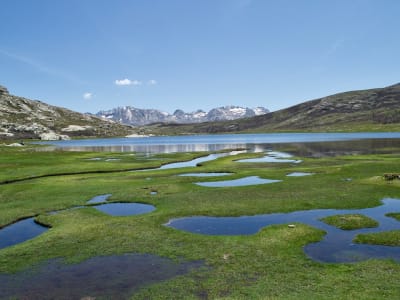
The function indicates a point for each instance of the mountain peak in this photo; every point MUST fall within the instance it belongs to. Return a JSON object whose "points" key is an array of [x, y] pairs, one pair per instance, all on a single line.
{"points": [[136, 116]]}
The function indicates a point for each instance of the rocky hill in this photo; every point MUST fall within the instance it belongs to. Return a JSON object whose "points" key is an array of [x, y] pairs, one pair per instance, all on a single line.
{"points": [[364, 110], [23, 118], [136, 116]]}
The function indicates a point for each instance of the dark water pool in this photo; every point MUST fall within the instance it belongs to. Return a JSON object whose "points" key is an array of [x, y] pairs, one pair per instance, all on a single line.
{"points": [[336, 246], [124, 209], [107, 277], [20, 231]]}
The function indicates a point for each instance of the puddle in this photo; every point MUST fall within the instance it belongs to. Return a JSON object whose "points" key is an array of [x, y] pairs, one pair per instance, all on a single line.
{"points": [[20, 231], [299, 174], [193, 162], [124, 209], [336, 246], [107, 277], [113, 159], [153, 193], [272, 157], [251, 180], [99, 199], [205, 174]]}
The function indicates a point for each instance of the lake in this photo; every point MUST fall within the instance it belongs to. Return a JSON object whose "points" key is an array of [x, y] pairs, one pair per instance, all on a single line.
{"points": [[195, 143]]}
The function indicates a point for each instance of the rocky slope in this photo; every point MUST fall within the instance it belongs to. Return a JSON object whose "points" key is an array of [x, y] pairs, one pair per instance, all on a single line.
{"points": [[23, 118], [373, 109], [136, 116]]}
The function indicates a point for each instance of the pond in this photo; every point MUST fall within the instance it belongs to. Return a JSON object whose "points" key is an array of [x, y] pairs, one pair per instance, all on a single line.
{"points": [[250, 180], [272, 157], [124, 209], [299, 174], [106, 277], [99, 199], [337, 245], [205, 174], [20, 231]]}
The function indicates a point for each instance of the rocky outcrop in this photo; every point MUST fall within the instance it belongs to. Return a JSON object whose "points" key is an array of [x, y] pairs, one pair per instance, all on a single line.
{"points": [[22, 118], [3, 90], [135, 116]]}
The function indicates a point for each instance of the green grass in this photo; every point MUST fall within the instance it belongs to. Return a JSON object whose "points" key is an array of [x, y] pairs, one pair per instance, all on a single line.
{"points": [[387, 238], [268, 265], [350, 221], [394, 215]]}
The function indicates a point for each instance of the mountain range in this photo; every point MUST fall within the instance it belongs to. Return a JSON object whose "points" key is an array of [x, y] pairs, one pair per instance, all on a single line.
{"points": [[138, 117], [364, 110]]}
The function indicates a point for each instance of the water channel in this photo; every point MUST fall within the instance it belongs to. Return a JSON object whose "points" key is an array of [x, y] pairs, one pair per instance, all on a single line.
{"points": [[337, 245]]}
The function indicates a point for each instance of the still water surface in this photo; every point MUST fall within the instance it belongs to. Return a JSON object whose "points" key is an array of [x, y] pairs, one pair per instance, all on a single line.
{"points": [[337, 245], [192, 143]]}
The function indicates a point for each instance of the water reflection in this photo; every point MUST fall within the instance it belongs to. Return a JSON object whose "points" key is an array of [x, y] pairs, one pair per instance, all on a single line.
{"points": [[250, 180], [212, 143], [205, 174], [272, 157], [192, 163], [337, 245], [20, 231], [299, 174], [99, 199], [124, 209], [107, 277]]}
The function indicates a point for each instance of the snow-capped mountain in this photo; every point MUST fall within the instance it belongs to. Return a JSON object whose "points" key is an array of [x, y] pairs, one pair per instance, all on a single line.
{"points": [[136, 116]]}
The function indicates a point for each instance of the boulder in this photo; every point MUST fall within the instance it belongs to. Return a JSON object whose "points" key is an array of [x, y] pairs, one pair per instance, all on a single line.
{"points": [[52, 136], [3, 90]]}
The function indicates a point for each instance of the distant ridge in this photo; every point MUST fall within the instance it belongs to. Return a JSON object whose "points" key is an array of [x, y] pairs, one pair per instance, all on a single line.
{"points": [[363, 110], [136, 116]]}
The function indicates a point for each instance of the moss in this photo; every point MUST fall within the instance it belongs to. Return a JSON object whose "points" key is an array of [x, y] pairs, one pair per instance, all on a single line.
{"points": [[350, 221]]}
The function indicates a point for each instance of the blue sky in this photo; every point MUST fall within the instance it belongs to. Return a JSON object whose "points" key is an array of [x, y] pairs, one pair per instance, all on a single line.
{"points": [[89, 55]]}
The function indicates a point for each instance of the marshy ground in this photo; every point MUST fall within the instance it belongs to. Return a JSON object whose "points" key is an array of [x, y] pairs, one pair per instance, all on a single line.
{"points": [[268, 264]]}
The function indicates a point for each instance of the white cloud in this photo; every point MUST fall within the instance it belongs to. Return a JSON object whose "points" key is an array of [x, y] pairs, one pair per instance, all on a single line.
{"points": [[152, 82], [87, 96], [127, 81]]}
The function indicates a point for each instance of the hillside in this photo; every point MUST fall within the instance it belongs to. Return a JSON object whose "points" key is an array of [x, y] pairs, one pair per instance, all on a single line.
{"points": [[137, 116], [23, 118], [364, 110]]}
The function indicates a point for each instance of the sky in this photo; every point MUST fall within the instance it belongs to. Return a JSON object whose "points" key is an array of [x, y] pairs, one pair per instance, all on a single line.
{"points": [[91, 55]]}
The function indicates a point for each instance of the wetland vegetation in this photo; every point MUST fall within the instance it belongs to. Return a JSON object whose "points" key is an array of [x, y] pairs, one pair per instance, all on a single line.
{"points": [[271, 263]]}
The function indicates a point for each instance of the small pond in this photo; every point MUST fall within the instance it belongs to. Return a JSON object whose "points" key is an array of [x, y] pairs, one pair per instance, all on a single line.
{"points": [[19, 232], [124, 209], [336, 246], [299, 174], [205, 174], [272, 157], [107, 277], [193, 162], [250, 180], [99, 199]]}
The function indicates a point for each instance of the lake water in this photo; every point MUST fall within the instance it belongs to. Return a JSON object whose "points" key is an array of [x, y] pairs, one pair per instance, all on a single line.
{"points": [[193, 143]]}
